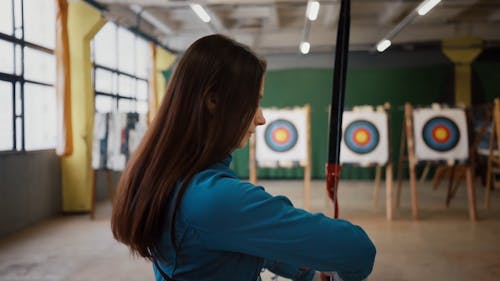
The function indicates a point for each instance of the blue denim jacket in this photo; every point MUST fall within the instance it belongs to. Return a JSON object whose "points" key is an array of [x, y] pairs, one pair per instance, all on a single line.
{"points": [[229, 229]]}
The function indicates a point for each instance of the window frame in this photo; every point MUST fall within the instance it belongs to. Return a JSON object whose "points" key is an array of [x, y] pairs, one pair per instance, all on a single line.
{"points": [[18, 77], [115, 71]]}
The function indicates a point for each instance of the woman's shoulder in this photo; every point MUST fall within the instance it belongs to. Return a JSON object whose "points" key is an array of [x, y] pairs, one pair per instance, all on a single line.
{"points": [[213, 193], [215, 184]]}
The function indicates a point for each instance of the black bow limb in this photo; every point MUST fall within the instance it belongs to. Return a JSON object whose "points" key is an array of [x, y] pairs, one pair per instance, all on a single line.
{"points": [[333, 167]]}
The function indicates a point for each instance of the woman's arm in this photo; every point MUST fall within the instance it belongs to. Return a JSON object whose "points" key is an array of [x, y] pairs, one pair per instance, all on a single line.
{"points": [[289, 271], [241, 217]]}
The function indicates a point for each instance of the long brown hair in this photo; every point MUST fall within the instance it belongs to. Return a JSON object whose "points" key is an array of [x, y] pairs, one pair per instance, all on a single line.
{"points": [[186, 136]]}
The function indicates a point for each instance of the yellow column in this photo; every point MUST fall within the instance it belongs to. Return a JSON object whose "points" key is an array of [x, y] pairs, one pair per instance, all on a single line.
{"points": [[161, 60], [164, 61], [462, 52], [77, 178]]}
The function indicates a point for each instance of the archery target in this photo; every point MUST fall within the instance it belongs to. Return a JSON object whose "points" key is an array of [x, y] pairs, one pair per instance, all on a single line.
{"points": [[440, 134], [361, 136], [282, 141], [281, 135], [365, 138]]}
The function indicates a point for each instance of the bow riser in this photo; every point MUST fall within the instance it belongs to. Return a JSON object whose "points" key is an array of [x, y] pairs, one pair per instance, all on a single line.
{"points": [[333, 167]]}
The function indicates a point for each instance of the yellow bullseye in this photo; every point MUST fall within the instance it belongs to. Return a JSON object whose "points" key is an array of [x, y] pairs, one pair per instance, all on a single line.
{"points": [[281, 135], [361, 137], [441, 134]]}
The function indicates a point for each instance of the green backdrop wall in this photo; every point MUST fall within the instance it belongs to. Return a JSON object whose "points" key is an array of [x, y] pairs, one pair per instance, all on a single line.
{"points": [[488, 80], [417, 85]]}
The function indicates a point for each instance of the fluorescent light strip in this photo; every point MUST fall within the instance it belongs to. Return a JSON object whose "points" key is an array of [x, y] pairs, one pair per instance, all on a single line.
{"points": [[200, 12], [305, 47], [312, 10], [383, 45], [426, 6]]}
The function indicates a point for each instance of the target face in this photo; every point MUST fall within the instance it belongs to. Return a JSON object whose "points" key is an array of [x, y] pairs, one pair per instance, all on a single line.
{"points": [[281, 135], [361, 136], [441, 134], [282, 141]]}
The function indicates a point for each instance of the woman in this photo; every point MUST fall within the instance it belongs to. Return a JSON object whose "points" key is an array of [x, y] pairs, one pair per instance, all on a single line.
{"points": [[181, 206]]}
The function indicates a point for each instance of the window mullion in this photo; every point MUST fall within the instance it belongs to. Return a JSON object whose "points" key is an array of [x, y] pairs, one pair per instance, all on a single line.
{"points": [[13, 85], [23, 132], [38, 83], [13, 34], [116, 75]]}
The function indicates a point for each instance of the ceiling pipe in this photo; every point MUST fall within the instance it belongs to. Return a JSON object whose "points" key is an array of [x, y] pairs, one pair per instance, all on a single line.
{"points": [[422, 9]]}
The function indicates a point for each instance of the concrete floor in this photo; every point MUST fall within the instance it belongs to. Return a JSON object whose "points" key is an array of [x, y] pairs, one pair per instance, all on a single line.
{"points": [[442, 245]]}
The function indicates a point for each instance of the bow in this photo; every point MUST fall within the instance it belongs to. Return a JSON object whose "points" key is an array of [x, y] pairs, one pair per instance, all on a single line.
{"points": [[332, 168], [337, 104]]}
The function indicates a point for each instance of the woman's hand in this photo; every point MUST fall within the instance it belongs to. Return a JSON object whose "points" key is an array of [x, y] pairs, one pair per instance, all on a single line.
{"points": [[326, 276]]}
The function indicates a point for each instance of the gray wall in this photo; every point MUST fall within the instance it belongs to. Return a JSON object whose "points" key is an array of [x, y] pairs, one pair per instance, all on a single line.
{"points": [[30, 189], [102, 191]]}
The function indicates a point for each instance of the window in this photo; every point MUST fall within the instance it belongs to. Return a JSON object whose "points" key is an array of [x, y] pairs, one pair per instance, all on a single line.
{"points": [[6, 17], [6, 116], [36, 16], [40, 107], [121, 67], [6, 57], [27, 75], [41, 66]]}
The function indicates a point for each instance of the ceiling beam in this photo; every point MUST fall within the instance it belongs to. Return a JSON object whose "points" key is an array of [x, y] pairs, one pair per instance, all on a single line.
{"points": [[273, 20], [143, 3], [429, 32], [331, 15], [392, 11]]}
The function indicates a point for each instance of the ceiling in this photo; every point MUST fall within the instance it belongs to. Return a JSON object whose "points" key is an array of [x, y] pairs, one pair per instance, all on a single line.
{"points": [[278, 26]]}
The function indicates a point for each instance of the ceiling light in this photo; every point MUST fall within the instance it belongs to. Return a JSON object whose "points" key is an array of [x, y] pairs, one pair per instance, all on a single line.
{"points": [[426, 6], [383, 45], [312, 10], [200, 12], [304, 47]]}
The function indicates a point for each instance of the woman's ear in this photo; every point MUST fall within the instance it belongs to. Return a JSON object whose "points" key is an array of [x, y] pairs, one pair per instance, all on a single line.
{"points": [[211, 103]]}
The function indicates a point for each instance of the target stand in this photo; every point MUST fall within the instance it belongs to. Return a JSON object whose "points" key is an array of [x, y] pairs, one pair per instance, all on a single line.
{"points": [[366, 142], [283, 142], [435, 135], [493, 156]]}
